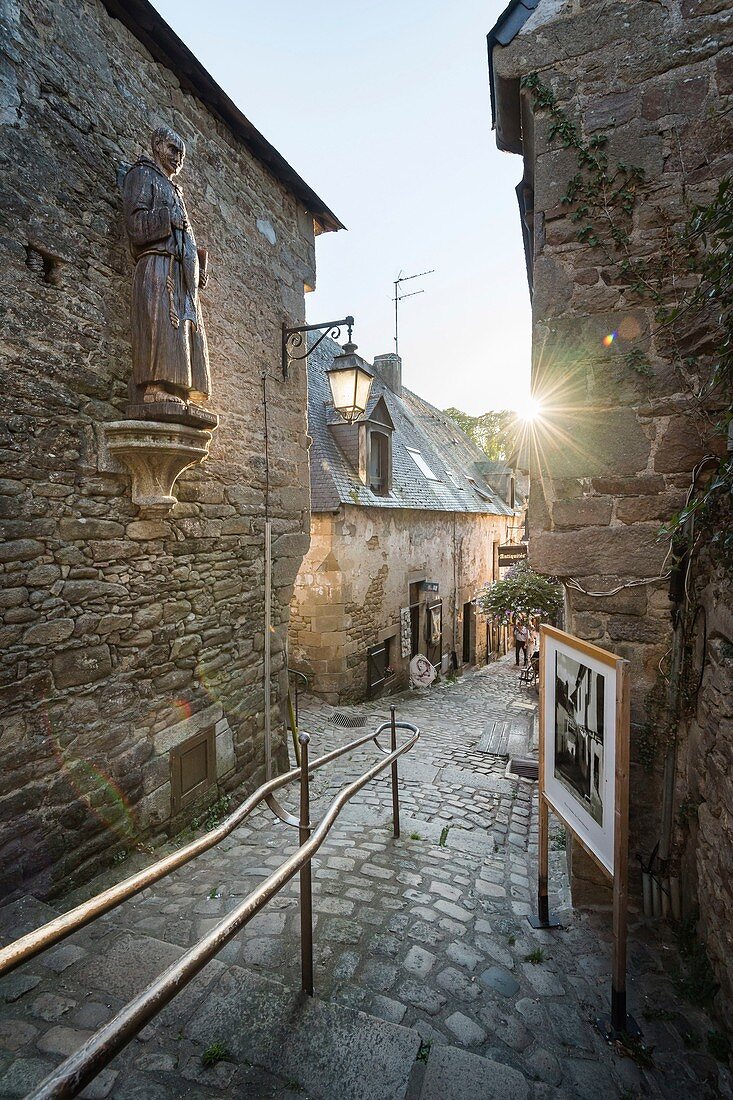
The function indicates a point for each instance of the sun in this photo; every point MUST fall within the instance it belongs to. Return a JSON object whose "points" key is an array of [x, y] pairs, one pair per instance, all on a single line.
{"points": [[529, 410]]}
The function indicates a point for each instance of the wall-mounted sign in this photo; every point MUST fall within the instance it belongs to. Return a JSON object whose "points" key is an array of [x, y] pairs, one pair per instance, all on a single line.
{"points": [[511, 555], [430, 586]]}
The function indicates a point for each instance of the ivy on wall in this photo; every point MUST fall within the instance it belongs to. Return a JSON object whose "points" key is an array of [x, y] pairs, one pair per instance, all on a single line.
{"points": [[683, 272], [687, 280]]}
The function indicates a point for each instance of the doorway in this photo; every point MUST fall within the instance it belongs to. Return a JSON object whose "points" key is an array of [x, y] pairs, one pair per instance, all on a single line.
{"points": [[414, 602], [467, 633]]}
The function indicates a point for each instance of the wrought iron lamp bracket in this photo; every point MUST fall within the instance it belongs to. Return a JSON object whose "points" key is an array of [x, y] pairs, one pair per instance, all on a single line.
{"points": [[293, 338]]}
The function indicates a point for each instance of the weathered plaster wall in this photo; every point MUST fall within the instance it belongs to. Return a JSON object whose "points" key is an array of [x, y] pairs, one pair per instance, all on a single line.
{"points": [[616, 459], [117, 631], [356, 577]]}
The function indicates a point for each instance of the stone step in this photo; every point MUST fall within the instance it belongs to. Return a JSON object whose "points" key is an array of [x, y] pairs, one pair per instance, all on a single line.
{"points": [[285, 1040], [280, 1040], [453, 1074], [330, 1050]]}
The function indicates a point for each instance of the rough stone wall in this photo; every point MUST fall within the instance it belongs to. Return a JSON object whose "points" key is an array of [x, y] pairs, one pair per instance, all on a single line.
{"points": [[356, 577], [616, 458], [704, 818], [121, 636]]}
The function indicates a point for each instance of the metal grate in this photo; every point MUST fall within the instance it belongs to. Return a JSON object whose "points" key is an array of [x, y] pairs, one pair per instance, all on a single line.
{"points": [[523, 767], [495, 738], [347, 721]]}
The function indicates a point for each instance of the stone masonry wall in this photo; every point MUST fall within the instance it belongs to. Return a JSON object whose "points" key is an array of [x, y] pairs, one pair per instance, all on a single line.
{"points": [[121, 636], [614, 460], [704, 819], [356, 577]]}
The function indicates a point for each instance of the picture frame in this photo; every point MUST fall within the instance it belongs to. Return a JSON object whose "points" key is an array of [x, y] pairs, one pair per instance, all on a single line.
{"points": [[580, 685], [584, 779]]}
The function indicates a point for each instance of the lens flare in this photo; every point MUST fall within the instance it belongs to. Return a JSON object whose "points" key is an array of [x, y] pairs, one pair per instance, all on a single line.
{"points": [[94, 787], [529, 410], [609, 339]]}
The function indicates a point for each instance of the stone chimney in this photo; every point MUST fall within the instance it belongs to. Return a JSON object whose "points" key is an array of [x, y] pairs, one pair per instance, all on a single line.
{"points": [[389, 369]]}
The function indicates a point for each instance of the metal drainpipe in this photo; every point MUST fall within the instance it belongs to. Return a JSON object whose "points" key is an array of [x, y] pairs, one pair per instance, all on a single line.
{"points": [[454, 648], [670, 763], [268, 643]]}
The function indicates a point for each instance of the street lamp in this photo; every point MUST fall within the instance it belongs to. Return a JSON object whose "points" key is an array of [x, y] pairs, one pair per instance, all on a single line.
{"points": [[350, 382], [349, 379]]}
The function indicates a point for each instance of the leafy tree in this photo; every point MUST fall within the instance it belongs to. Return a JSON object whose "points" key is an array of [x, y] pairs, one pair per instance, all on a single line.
{"points": [[522, 592], [494, 432]]}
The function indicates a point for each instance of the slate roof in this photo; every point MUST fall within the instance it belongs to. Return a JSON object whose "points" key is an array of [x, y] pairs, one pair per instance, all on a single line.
{"points": [[164, 45], [504, 31], [449, 453]]}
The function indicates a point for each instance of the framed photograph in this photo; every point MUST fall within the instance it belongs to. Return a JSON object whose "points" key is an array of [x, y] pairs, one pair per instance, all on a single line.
{"points": [[579, 686]]}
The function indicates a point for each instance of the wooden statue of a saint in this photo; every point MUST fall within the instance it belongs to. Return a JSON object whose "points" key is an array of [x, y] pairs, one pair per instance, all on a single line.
{"points": [[170, 359]]}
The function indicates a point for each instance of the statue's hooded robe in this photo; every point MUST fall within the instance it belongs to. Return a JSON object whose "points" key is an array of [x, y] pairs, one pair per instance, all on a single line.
{"points": [[165, 284]]}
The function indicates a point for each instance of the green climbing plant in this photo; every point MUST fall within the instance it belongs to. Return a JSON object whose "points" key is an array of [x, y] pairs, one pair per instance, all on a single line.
{"points": [[687, 280]]}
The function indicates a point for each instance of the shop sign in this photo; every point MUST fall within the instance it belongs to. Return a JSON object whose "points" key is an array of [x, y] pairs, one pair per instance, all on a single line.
{"points": [[512, 555]]}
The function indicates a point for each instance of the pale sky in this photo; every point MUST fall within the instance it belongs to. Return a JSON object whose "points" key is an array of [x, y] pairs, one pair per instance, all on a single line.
{"points": [[383, 109]]}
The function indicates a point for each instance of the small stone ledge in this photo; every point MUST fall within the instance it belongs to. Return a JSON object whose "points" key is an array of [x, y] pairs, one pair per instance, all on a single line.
{"points": [[155, 454]]}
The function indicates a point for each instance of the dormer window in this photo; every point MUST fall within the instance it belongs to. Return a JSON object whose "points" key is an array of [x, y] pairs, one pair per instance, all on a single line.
{"points": [[379, 462]]}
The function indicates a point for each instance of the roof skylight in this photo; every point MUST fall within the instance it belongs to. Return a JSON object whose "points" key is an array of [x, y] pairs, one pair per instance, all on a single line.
{"points": [[421, 464]]}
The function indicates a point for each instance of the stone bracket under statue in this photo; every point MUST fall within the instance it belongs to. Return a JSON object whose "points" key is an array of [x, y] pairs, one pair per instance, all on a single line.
{"points": [[173, 412], [155, 454]]}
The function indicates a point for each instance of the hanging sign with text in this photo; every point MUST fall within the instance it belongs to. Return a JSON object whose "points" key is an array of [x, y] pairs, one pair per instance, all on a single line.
{"points": [[511, 555]]}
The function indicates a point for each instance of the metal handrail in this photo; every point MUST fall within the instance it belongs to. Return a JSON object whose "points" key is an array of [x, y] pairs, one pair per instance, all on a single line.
{"points": [[81, 1067], [301, 684], [293, 711], [62, 926]]}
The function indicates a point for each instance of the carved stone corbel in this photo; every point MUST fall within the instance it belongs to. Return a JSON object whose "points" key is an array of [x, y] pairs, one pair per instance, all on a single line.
{"points": [[156, 455]]}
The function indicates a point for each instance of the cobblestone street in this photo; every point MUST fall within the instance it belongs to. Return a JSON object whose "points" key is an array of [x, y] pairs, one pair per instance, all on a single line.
{"points": [[427, 932]]}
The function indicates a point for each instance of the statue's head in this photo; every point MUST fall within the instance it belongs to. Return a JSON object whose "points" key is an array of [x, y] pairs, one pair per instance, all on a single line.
{"points": [[168, 150]]}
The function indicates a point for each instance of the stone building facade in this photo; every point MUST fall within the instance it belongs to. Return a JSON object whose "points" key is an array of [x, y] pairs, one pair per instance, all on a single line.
{"points": [[128, 642], [400, 545], [616, 457]]}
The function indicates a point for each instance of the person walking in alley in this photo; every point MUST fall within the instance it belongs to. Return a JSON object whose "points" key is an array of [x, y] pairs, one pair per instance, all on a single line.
{"points": [[521, 640]]}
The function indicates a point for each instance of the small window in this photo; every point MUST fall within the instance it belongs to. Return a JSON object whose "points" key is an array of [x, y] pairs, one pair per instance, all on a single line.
{"points": [[480, 492], [379, 463], [421, 464]]}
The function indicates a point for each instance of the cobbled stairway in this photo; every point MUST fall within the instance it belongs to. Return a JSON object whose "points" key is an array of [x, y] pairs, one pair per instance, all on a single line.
{"points": [[430, 984], [276, 1042]]}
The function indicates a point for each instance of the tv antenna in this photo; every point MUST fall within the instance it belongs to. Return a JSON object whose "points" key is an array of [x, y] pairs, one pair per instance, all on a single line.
{"points": [[398, 298]]}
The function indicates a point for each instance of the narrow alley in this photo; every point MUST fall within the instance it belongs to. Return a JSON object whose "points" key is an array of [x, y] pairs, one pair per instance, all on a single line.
{"points": [[429, 981]]}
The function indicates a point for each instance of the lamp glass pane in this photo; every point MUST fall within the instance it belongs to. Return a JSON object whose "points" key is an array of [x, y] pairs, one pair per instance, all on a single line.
{"points": [[363, 388], [350, 387], [342, 387]]}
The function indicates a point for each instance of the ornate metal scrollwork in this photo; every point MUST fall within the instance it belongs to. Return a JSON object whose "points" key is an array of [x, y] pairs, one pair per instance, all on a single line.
{"points": [[293, 339]]}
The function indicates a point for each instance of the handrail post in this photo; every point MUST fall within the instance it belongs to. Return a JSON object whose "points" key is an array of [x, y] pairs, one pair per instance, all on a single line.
{"points": [[306, 895], [395, 789]]}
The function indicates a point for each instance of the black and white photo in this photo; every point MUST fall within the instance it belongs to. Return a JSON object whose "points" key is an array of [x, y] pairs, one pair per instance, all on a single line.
{"points": [[579, 683], [579, 731]]}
